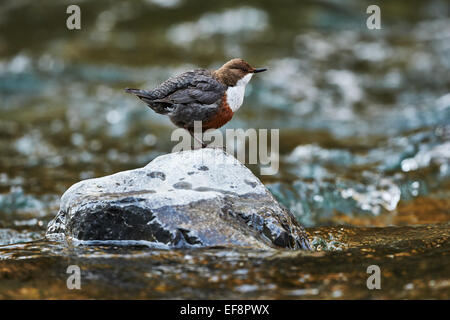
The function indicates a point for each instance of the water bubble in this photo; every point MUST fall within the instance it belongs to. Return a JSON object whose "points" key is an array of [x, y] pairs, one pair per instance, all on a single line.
{"points": [[247, 288], [86, 175], [77, 139], [19, 63], [165, 3], [150, 139], [229, 22], [409, 286], [337, 293], [113, 116]]}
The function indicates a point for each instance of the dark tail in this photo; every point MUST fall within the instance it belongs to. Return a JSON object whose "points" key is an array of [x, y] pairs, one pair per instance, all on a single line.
{"points": [[140, 93], [150, 100], [144, 95]]}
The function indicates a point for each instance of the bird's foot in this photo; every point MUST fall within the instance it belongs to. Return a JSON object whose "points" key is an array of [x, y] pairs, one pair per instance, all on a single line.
{"points": [[223, 148]]}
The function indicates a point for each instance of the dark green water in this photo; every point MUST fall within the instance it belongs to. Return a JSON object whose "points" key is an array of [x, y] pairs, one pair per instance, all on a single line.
{"points": [[364, 119]]}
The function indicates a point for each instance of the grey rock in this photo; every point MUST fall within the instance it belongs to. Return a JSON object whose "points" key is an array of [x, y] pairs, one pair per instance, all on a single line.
{"points": [[187, 199]]}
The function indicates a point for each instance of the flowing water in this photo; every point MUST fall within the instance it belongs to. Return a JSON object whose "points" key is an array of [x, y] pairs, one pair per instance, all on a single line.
{"points": [[364, 119]]}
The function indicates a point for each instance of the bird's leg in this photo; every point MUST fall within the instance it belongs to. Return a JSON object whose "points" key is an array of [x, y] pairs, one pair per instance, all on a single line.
{"points": [[196, 139]]}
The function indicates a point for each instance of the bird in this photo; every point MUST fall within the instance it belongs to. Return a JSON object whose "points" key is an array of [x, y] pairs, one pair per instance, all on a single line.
{"points": [[209, 96]]}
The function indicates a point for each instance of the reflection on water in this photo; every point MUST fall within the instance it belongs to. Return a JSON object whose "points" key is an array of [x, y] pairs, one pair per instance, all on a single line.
{"points": [[364, 119]]}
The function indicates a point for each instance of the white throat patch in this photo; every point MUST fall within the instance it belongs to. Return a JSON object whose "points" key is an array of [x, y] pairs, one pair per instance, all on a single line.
{"points": [[235, 95]]}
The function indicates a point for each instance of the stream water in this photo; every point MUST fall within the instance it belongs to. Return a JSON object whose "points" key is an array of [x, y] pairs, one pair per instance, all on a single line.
{"points": [[364, 120]]}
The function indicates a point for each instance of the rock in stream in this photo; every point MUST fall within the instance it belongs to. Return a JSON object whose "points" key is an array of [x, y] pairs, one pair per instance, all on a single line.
{"points": [[187, 199]]}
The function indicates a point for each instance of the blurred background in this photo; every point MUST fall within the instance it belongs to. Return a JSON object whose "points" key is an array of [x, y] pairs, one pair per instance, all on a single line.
{"points": [[364, 115]]}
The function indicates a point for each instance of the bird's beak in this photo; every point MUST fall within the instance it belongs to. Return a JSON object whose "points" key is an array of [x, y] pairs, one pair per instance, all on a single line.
{"points": [[259, 70]]}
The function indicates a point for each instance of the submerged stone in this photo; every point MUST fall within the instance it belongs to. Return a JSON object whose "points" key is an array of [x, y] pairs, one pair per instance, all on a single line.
{"points": [[187, 199]]}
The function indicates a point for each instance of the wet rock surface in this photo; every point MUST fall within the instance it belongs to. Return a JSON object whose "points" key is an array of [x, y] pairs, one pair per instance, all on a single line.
{"points": [[187, 199]]}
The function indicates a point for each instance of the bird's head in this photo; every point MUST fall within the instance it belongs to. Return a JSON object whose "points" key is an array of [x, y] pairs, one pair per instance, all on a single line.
{"points": [[236, 70]]}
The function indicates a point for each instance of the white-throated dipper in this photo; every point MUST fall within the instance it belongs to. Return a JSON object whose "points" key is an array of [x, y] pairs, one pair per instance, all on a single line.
{"points": [[209, 96]]}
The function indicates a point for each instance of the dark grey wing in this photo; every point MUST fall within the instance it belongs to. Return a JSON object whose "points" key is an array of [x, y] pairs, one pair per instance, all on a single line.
{"points": [[201, 90], [179, 82], [191, 87]]}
